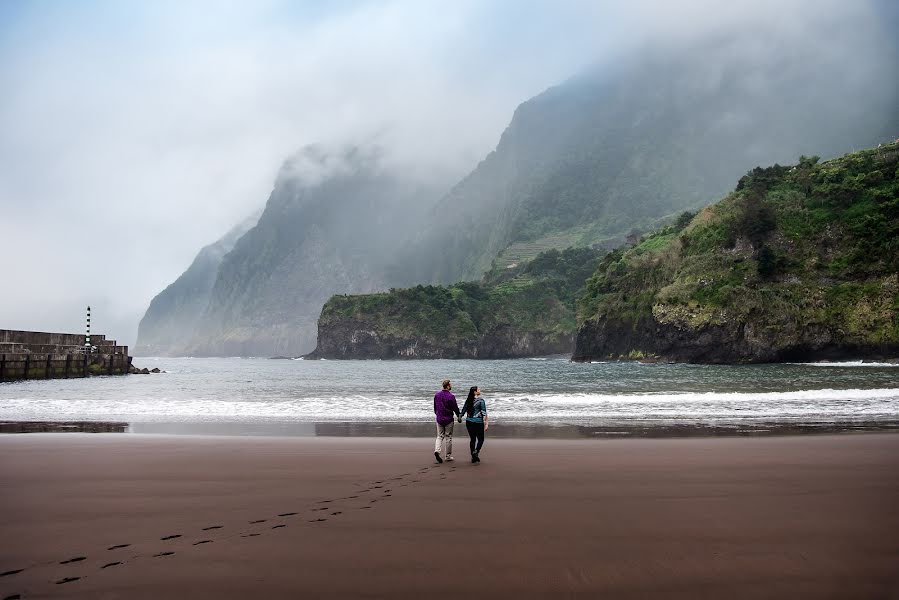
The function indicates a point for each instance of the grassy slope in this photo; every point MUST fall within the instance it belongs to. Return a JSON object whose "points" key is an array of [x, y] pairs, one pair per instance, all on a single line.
{"points": [[815, 245], [537, 297]]}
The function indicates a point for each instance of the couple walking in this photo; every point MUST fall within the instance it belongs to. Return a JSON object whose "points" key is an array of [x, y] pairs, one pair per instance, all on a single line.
{"points": [[446, 409]]}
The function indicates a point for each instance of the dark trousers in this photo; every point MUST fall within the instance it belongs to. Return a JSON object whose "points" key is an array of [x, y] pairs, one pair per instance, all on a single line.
{"points": [[476, 433]]}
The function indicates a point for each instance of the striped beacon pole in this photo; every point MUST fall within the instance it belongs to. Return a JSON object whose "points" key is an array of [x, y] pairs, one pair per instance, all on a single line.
{"points": [[87, 335]]}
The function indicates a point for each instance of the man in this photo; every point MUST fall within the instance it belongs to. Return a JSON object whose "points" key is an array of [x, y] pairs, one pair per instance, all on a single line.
{"points": [[444, 407]]}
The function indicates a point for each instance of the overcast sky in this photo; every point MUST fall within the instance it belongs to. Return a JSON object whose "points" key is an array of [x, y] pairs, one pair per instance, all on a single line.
{"points": [[134, 133]]}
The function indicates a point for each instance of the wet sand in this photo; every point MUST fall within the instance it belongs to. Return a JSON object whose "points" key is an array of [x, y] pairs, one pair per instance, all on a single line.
{"points": [[113, 516]]}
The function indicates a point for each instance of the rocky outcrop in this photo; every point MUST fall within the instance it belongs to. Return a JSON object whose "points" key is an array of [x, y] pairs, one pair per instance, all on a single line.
{"points": [[798, 264], [351, 339], [747, 341]]}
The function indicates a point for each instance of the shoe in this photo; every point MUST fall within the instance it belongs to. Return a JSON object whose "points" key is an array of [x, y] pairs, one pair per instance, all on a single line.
{"points": [[437, 456], [450, 459], [475, 458]]}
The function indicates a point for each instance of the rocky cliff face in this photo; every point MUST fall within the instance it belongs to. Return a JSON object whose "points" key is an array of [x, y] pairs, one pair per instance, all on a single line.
{"points": [[359, 339], [171, 320], [330, 226], [797, 264]]}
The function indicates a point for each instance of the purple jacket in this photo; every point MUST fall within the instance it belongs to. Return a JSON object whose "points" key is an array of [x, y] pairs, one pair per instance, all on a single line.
{"points": [[444, 407]]}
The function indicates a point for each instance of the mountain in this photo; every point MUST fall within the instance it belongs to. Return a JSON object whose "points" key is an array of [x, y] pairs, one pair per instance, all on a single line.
{"points": [[528, 310], [622, 147], [330, 226], [798, 263], [614, 152], [171, 320]]}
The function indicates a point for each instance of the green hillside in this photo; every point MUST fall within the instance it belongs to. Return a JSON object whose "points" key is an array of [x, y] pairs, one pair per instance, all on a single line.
{"points": [[525, 310], [798, 263]]}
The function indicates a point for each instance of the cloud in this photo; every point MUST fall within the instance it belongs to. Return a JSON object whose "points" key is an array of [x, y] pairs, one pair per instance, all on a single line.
{"points": [[136, 133]]}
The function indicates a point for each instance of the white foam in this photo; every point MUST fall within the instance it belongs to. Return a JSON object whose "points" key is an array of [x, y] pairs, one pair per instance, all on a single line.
{"points": [[714, 397], [848, 363], [803, 405]]}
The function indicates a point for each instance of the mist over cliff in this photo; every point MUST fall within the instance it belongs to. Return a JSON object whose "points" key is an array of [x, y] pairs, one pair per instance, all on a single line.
{"points": [[172, 318], [615, 149], [334, 220], [646, 132]]}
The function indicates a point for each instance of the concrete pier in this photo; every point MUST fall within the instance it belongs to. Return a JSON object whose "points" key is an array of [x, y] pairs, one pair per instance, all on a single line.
{"points": [[41, 355]]}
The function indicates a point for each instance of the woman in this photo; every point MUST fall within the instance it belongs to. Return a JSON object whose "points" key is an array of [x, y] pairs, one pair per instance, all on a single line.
{"points": [[475, 411]]}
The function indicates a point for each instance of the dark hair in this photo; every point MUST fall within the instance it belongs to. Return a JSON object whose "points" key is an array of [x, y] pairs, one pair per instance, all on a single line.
{"points": [[468, 407], [446, 384]]}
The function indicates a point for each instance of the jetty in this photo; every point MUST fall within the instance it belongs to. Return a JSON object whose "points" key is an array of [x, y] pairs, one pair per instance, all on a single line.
{"points": [[41, 355]]}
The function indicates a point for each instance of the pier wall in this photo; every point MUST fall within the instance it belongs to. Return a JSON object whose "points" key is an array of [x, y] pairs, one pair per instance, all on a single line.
{"points": [[42, 355]]}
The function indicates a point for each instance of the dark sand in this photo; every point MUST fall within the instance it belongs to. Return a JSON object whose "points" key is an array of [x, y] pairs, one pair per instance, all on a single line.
{"points": [[778, 517]]}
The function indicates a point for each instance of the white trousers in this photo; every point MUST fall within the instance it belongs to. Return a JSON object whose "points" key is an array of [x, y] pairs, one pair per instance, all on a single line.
{"points": [[444, 436]]}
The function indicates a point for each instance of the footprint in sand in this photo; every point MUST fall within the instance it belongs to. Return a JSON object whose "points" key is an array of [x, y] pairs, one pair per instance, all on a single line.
{"points": [[117, 546], [336, 513], [317, 520], [290, 514], [14, 597], [249, 535], [279, 526], [213, 527], [67, 580], [202, 542], [170, 537], [259, 521], [13, 572], [71, 560], [112, 564], [163, 554]]}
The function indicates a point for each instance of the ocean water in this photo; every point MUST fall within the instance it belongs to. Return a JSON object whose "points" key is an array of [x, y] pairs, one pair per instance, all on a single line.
{"points": [[550, 391]]}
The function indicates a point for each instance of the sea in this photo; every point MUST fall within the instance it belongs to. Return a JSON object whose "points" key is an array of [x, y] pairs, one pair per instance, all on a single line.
{"points": [[543, 396]]}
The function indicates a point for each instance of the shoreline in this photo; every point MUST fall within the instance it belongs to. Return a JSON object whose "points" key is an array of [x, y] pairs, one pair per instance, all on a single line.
{"points": [[502, 430]]}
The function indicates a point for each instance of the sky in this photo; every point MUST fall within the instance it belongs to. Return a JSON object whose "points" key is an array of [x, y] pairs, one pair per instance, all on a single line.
{"points": [[136, 132]]}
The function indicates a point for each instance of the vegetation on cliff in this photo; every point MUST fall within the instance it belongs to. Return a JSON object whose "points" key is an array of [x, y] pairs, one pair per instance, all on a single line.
{"points": [[625, 148], [523, 310], [798, 262]]}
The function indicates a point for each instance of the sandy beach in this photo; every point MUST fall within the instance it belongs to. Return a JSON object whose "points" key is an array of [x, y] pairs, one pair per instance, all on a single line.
{"points": [[134, 516]]}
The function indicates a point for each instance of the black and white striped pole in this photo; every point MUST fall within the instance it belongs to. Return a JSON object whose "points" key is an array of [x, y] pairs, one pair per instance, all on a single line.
{"points": [[87, 334]]}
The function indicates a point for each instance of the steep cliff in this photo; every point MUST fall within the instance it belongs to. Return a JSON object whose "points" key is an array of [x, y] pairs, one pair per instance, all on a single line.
{"points": [[621, 147], [330, 226], [798, 263], [527, 310], [171, 320]]}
